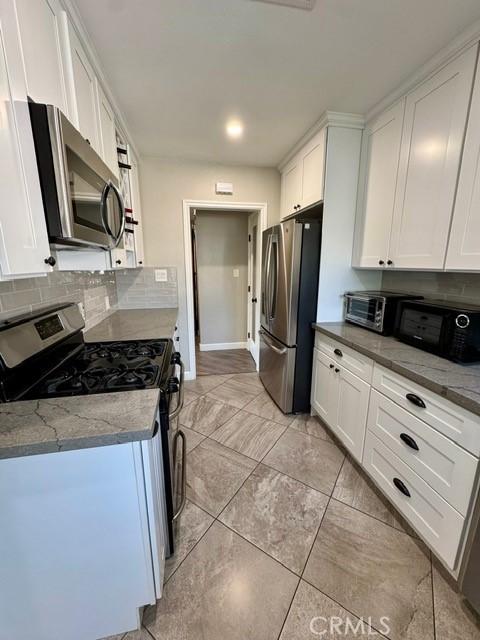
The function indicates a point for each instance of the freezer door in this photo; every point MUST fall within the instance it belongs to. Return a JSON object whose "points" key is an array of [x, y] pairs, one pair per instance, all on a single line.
{"points": [[277, 370]]}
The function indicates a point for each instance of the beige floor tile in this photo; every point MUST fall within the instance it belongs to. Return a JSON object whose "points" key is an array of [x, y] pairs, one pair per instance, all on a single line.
{"points": [[373, 570], [205, 415], [193, 438], [314, 615], [278, 514], [312, 426], [249, 434], [226, 589], [265, 407], [454, 620], [235, 393], [204, 384], [214, 474], [249, 378], [355, 489], [190, 527], [189, 396], [311, 460]]}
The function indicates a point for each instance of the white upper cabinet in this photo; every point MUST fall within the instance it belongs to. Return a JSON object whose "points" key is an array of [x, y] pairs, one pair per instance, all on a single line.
{"points": [[39, 23], [303, 177], [107, 131], [23, 233], [464, 245], [378, 179], [433, 132], [137, 212], [83, 90]]}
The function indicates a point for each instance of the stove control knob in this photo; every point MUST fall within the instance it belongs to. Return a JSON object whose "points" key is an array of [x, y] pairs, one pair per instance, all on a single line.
{"points": [[173, 385], [176, 358]]}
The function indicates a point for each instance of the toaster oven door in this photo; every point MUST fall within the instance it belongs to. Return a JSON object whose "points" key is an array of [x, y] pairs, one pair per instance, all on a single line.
{"points": [[366, 311]]}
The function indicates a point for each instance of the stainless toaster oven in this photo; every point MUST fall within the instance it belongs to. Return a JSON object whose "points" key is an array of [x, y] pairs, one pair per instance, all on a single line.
{"points": [[374, 310]]}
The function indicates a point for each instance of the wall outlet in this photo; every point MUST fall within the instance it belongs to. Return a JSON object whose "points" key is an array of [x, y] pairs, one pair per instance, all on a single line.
{"points": [[161, 275], [236, 273], [107, 303]]}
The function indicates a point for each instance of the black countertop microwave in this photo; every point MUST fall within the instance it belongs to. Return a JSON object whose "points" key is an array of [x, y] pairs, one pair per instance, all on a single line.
{"points": [[448, 329]]}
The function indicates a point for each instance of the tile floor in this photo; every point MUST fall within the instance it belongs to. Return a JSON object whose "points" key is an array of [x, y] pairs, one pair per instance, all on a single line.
{"points": [[282, 532], [224, 361]]}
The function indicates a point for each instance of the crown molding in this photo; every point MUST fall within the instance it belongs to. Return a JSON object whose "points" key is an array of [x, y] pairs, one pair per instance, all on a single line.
{"points": [[77, 22], [465, 40], [328, 119]]}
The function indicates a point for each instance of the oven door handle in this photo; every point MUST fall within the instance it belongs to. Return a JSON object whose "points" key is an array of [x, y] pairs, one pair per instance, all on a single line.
{"points": [[180, 399], [116, 238], [183, 493]]}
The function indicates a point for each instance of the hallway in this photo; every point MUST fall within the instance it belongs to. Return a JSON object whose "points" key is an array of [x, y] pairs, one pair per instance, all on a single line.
{"points": [[224, 361], [282, 533]]}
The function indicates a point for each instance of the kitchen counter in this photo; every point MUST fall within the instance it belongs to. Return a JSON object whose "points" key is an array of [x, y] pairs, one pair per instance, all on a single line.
{"points": [[458, 383], [62, 424], [134, 324]]}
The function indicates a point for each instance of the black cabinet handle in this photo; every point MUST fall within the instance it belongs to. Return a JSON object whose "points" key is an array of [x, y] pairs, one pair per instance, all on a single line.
{"points": [[140, 262], [124, 165], [50, 261], [416, 400], [337, 370], [409, 441], [118, 262], [389, 262], [331, 366], [401, 487], [338, 353], [381, 262]]}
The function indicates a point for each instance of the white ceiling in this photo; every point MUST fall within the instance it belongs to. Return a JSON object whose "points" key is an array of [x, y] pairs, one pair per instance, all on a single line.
{"points": [[181, 68]]}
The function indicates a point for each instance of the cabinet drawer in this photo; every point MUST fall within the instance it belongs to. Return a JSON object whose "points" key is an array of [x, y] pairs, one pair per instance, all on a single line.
{"points": [[456, 423], [352, 360], [446, 467], [439, 524]]}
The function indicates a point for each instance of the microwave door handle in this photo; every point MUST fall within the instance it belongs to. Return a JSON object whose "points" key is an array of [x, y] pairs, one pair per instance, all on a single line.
{"points": [[116, 238]]}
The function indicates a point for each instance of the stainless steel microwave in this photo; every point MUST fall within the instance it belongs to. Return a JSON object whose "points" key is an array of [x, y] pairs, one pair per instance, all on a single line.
{"points": [[82, 202], [374, 310]]}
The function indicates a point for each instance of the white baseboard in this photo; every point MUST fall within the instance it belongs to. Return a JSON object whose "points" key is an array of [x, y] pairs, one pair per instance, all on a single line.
{"points": [[188, 375], [218, 346]]}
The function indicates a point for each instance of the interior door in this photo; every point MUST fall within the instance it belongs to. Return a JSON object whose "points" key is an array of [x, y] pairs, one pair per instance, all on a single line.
{"points": [[254, 275]]}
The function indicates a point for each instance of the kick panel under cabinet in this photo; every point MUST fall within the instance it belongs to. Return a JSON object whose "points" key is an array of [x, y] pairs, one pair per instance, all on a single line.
{"points": [[420, 449]]}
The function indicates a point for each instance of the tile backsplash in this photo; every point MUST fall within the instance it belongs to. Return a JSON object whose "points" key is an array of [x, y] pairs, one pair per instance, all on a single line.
{"points": [[138, 289], [441, 286], [100, 293]]}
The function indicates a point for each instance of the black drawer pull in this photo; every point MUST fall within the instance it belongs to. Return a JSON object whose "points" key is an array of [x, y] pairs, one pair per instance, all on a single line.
{"points": [[338, 353], [401, 487], [331, 366], [416, 400], [337, 370], [409, 441]]}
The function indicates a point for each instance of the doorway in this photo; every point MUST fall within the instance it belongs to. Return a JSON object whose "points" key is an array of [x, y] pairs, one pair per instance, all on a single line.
{"points": [[222, 260]]}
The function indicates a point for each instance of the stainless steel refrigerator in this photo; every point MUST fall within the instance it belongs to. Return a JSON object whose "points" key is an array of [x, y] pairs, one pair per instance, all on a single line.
{"points": [[290, 268]]}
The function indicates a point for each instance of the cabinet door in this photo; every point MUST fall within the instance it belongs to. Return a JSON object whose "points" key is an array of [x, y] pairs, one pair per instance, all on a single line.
{"points": [[23, 232], [324, 387], [83, 91], [433, 132], [350, 425], [313, 169], [291, 188], [39, 26], [464, 245], [380, 158], [107, 131], [137, 212]]}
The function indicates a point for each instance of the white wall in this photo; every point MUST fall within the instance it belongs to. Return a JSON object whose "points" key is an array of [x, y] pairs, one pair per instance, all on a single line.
{"points": [[222, 247], [166, 183]]}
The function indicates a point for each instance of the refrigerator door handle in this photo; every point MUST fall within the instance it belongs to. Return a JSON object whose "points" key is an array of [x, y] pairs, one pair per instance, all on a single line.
{"points": [[267, 280], [267, 340], [274, 291]]}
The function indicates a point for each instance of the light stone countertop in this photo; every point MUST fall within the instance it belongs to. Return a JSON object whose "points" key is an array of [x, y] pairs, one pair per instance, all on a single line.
{"points": [[456, 382], [79, 422], [134, 324]]}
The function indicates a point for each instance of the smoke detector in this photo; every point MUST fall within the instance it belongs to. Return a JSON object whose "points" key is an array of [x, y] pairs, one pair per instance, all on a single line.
{"points": [[297, 4]]}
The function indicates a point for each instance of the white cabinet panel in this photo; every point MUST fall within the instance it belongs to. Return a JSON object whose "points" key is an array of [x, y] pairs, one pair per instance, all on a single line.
{"points": [[83, 91], [107, 131], [433, 132], [446, 467], [378, 180], [355, 362], [353, 397], [324, 388], [292, 187], [137, 211], [437, 522], [23, 233], [39, 25], [313, 169], [464, 245]]}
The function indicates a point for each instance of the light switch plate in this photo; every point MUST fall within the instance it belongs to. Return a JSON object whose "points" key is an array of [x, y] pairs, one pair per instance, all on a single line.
{"points": [[236, 273], [161, 275]]}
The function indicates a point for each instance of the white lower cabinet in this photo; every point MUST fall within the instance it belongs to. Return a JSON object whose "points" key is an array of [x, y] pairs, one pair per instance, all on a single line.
{"points": [[341, 399]]}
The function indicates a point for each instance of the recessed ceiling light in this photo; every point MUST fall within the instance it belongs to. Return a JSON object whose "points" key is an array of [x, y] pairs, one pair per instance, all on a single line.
{"points": [[297, 4], [234, 129]]}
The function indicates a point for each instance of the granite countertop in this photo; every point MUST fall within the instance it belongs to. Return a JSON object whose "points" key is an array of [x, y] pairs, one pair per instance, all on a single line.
{"points": [[61, 424], [458, 383], [134, 324]]}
